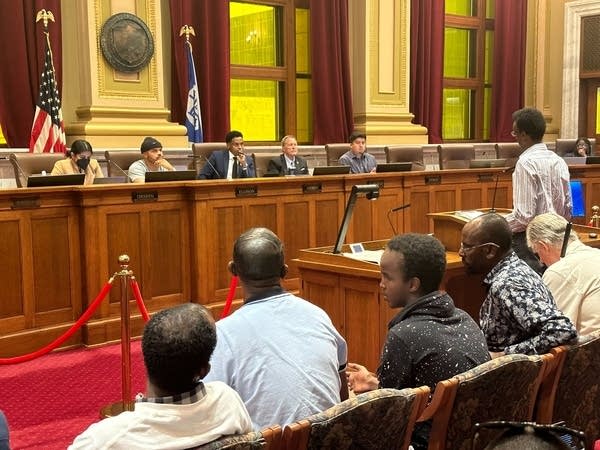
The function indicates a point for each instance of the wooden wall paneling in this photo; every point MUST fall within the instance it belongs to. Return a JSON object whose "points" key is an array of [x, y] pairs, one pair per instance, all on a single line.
{"points": [[323, 290], [12, 307]]}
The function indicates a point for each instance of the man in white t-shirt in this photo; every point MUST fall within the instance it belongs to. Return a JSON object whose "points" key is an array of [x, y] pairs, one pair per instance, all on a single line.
{"points": [[179, 411]]}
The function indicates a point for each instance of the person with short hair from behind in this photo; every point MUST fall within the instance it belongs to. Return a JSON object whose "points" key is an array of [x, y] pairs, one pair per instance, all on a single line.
{"points": [[518, 314], [573, 280], [288, 163], [357, 157], [430, 339], [281, 353], [540, 181], [152, 161], [78, 159], [230, 163], [179, 410]]}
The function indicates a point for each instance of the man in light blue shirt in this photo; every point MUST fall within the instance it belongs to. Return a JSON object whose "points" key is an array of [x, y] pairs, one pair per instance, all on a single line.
{"points": [[280, 353]]}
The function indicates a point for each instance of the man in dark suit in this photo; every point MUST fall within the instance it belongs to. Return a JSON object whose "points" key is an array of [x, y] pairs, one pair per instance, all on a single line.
{"points": [[288, 163], [230, 163]]}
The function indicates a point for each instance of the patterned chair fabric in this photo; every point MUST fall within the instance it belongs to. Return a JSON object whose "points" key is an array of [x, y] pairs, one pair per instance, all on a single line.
{"points": [[576, 396], [502, 389], [248, 441], [380, 419]]}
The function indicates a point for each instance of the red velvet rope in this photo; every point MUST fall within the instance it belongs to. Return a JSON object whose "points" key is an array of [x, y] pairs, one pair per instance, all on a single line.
{"points": [[230, 294], [54, 344], [135, 287]]}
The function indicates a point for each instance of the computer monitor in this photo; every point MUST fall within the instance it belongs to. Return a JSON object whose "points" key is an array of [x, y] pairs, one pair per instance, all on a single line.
{"points": [[111, 180], [486, 163], [578, 198], [170, 175], [331, 170], [394, 167], [574, 160], [55, 180], [592, 160]]}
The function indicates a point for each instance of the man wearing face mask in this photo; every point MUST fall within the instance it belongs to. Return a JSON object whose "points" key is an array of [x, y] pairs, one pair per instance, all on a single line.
{"points": [[79, 160], [152, 161]]}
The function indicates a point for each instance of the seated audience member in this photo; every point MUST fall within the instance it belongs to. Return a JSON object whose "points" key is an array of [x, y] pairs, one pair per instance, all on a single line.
{"points": [[4, 436], [529, 436], [357, 157], [573, 280], [229, 163], [518, 314], [79, 160], [583, 147], [152, 161], [288, 163], [281, 353], [430, 339], [179, 411]]}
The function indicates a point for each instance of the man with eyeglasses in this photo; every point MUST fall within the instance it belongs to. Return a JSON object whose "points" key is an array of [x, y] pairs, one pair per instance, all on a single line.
{"points": [[519, 314], [540, 181]]}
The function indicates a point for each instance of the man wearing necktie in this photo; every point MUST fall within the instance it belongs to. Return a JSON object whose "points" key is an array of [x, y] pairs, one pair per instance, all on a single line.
{"points": [[288, 163], [230, 163]]}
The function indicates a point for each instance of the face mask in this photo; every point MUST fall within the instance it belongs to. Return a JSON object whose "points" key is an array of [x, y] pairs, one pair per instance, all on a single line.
{"points": [[83, 163]]}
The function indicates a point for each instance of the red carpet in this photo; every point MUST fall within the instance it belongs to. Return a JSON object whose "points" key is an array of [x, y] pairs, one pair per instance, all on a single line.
{"points": [[50, 400]]}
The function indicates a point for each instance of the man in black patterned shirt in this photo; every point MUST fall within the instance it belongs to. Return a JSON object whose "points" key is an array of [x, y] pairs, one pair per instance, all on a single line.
{"points": [[519, 314]]}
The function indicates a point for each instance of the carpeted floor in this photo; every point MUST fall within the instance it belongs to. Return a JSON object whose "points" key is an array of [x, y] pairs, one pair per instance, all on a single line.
{"points": [[50, 400]]}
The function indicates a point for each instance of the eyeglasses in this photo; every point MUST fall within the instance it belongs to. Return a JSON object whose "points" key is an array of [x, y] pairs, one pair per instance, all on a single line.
{"points": [[465, 248], [574, 439]]}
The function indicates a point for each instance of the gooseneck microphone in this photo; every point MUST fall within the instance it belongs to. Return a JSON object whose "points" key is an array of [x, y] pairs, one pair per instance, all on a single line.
{"points": [[507, 170], [396, 209], [563, 250], [21, 171], [114, 164], [214, 169]]}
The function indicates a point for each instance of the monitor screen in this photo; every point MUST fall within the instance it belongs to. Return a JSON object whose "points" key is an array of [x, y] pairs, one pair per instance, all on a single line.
{"points": [[592, 160], [394, 167], [171, 175], [55, 180], [578, 198], [331, 170], [486, 163]]}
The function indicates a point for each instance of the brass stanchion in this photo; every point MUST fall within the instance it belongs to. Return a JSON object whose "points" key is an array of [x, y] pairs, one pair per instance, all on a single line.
{"points": [[595, 219], [126, 404]]}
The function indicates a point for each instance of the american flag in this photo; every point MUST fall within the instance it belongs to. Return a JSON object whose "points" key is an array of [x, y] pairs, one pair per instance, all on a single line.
{"points": [[48, 130], [193, 116]]}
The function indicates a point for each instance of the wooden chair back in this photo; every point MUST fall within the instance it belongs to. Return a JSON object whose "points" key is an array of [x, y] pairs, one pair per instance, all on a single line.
{"points": [[509, 151], [261, 162], [405, 153], [502, 389], [571, 391], [456, 156], [122, 159], [201, 152], [26, 164], [334, 152], [383, 418]]}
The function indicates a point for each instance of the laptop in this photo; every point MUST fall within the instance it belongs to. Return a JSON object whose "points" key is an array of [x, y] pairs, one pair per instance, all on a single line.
{"points": [[111, 180], [331, 170], [575, 160], [592, 160], [486, 163], [170, 175], [55, 180], [394, 167]]}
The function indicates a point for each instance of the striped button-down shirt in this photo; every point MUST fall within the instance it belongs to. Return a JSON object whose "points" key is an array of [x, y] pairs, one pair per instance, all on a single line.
{"points": [[540, 185]]}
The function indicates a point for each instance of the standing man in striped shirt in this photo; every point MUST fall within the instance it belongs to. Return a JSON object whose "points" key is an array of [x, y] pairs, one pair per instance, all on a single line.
{"points": [[540, 181]]}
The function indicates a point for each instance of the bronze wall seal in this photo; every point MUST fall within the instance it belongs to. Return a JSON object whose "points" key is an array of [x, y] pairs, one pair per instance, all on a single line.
{"points": [[126, 42]]}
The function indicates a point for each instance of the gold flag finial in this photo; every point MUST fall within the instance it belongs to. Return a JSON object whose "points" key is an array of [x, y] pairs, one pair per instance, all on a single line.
{"points": [[45, 16], [187, 30]]}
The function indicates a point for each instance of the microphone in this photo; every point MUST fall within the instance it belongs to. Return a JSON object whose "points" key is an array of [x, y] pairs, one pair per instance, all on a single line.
{"points": [[22, 173], [211, 165], [397, 208], [114, 164], [565, 243], [510, 169]]}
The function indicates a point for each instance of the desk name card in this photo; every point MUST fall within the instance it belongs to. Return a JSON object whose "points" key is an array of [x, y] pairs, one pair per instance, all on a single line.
{"points": [[246, 191], [144, 196], [25, 202], [312, 188]]}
